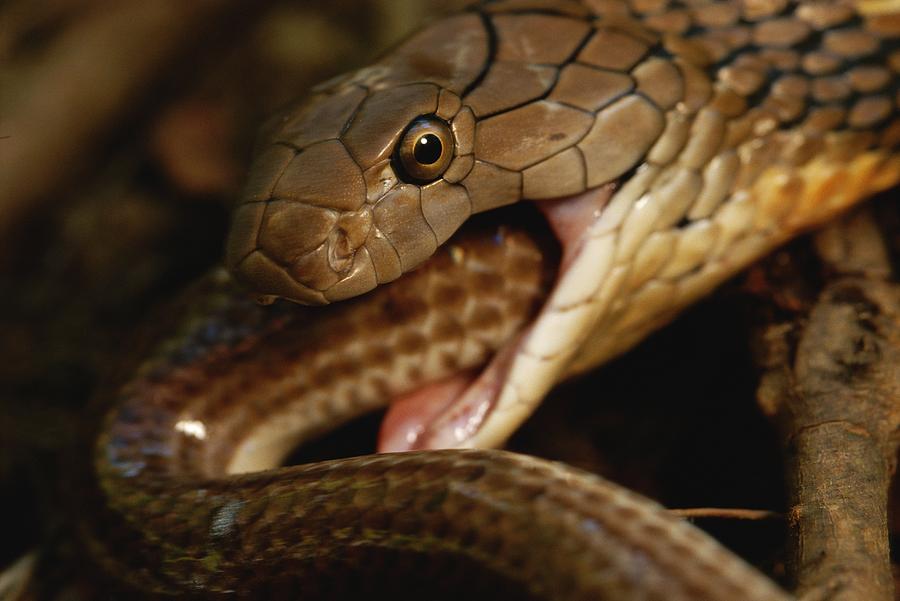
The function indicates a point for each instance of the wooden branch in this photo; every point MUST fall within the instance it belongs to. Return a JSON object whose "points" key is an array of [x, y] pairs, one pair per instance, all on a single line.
{"points": [[833, 387], [726, 513]]}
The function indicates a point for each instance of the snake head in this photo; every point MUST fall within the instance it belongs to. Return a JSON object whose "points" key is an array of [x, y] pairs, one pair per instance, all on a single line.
{"points": [[363, 181]]}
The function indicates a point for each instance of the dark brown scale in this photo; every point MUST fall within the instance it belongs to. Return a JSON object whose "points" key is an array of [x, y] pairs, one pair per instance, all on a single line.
{"points": [[786, 109], [825, 118], [446, 328], [648, 6], [869, 111], [830, 89], [510, 84], [484, 318], [411, 343], [743, 81], [530, 89], [791, 85], [780, 59], [756, 10], [867, 79], [615, 50], [780, 33], [675, 21], [825, 15], [851, 43], [716, 15], [729, 102], [821, 63], [452, 295]]}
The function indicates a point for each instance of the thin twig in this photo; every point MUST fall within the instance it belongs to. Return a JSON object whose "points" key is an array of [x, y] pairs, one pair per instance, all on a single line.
{"points": [[726, 513]]}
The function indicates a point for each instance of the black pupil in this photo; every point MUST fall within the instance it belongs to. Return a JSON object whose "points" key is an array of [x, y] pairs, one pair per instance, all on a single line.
{"points": [[428, 149]]}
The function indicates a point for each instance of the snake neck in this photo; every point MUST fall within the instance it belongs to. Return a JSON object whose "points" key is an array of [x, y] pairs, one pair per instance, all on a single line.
{"points": [[719, 130]]}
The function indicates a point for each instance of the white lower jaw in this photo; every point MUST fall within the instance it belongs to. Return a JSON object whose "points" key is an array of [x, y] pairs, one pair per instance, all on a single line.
{"points": [[483, 410]]}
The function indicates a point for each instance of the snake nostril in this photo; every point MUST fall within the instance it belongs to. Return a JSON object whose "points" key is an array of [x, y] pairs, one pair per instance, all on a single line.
{"points": [[346, 238], [341, 251]]}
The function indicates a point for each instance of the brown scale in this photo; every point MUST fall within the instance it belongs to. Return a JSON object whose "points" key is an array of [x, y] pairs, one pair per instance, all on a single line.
{"points": [[568, 102], [551, 104], [509, 84], [276, 348], [721, 123]]}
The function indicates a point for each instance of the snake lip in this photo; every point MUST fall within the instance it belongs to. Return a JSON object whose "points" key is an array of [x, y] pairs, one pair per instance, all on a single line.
{"points": [[483, 409]]}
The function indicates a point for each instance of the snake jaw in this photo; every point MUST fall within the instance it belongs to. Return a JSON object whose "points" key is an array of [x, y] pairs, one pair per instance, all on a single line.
{"points": [[484, 409], [708, 184]]}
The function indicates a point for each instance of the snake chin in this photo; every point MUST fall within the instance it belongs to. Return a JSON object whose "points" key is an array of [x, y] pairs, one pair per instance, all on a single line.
{"points": [[482, 409]]}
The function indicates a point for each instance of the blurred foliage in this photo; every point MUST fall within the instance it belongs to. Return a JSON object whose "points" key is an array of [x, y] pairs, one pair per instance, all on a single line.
{"points": [[145, 212]]}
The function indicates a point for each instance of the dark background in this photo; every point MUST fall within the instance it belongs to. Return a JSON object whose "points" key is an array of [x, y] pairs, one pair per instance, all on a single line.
{"points": [[124, 135]]}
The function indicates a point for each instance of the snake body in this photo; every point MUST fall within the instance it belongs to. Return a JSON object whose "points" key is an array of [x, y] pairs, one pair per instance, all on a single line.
{"points": [[715, 131], [698, 135]]}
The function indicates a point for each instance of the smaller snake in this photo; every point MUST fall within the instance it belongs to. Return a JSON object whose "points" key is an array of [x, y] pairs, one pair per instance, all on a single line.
{"points": [[668, 143], [239, 385]]}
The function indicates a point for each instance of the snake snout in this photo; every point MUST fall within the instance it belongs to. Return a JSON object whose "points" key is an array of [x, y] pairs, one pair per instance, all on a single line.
{"points": [[309, 254], [301, 227], [347, 237]]}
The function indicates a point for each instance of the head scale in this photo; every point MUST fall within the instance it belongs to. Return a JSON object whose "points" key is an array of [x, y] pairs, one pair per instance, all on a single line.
{"points": [[362, 182], [382, 165]]}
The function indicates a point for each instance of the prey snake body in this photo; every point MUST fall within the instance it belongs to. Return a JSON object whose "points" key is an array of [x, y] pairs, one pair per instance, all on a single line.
{"points": [[668, 143]]}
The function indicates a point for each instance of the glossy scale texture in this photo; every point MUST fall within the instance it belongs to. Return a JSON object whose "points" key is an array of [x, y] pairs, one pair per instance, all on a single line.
{"points": [[722, 129]]}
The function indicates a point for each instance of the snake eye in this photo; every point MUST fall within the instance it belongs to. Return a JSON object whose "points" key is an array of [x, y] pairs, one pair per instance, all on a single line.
{"points": [[425, 150]]}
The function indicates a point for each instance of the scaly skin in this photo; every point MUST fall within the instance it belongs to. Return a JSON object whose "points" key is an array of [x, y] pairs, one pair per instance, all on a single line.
{"points": [[716, 130], [723, 129], [239, 385]]}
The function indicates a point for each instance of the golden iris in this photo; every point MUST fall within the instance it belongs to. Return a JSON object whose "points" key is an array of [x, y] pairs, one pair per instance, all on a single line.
{"points": [[425, 150]]}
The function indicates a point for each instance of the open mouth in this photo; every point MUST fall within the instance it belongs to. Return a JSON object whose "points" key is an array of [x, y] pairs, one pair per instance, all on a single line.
{"points": [[483, 408], [461, 351]]}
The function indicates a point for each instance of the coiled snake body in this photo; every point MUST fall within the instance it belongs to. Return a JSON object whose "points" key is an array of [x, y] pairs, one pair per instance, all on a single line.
{"points": [[669, 144]]}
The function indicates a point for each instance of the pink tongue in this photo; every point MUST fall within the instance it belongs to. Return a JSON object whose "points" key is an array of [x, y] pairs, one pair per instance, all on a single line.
{"points": [[448, 413], [407, 418]]}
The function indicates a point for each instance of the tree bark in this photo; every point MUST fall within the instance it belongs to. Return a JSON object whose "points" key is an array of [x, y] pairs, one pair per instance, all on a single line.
{"points": [[832, 386]]}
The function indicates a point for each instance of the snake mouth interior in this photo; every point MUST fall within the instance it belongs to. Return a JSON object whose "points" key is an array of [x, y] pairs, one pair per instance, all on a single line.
{"points": [[483, 408]]}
